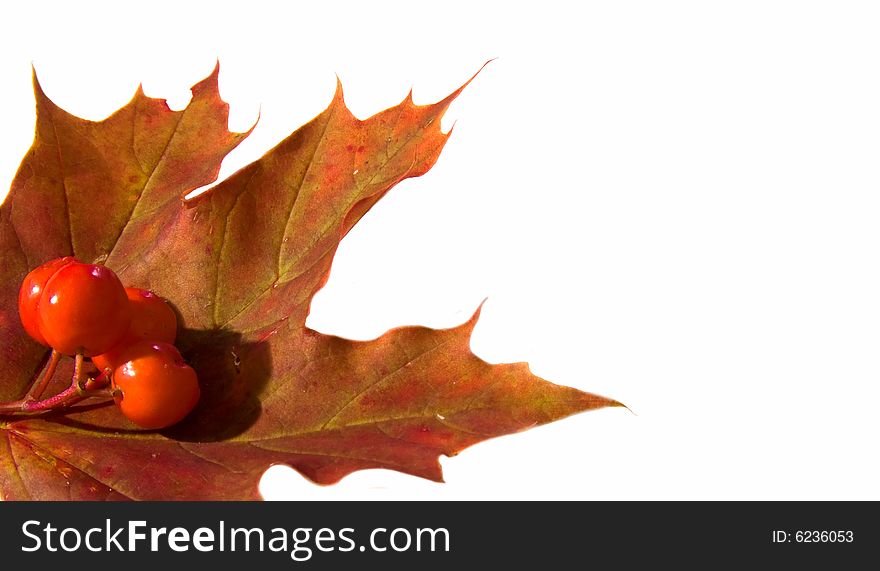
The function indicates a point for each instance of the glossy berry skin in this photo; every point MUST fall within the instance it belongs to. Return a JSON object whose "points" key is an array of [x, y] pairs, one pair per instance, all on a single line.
{"points": [[83, 308], [152, 319], [156, 388], [31, 290]]}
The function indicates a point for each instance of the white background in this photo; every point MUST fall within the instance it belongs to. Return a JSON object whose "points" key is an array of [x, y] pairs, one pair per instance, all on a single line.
{"points": [[671, 203]]}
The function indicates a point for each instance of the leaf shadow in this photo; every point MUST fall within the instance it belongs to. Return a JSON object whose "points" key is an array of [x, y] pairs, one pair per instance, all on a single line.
{"points": [[232, 374]]}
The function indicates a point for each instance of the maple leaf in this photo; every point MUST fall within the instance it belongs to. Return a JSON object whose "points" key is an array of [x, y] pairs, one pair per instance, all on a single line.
{"points": [[241, 264]]}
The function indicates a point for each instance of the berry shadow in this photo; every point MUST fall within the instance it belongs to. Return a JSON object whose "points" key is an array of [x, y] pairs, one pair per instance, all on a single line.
{"points": [[232, 374]]}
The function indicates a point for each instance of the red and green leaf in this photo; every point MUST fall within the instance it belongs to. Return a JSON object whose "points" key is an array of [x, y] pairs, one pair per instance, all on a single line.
{"points": [[241, 264]]}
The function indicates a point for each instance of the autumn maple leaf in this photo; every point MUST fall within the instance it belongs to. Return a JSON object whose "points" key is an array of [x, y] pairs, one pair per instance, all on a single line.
{"points": [[241, 264]]}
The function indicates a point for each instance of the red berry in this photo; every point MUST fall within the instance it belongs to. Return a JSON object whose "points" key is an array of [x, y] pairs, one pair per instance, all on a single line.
{"points": [[29, 295], [152, 319], [83, 308], [156, 388]]}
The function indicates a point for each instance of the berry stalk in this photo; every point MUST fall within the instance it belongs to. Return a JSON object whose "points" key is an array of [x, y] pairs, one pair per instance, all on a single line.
{"points": [[69, 396], [39, 387]]}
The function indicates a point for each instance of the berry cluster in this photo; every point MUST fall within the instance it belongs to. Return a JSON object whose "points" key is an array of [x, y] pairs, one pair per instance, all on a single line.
{"points": [[83, 310]]}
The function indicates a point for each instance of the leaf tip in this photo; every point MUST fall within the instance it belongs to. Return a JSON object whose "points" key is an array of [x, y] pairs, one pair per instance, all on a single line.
{"points": [[451, 97], [482, 303], [434, 471], [472, 321], [44, 102], [256, 121], [38, 89], [215, 73], [598, 401], [338, 95], [618, 404], [210, 84]]}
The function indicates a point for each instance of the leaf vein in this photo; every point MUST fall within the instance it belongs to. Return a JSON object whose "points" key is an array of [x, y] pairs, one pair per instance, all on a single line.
{"points": [[15, 463], [380, 380], [216, 297], [402, 465], [299, 188], [63, 184], [83, 471], [209, 460], [131, 215]]}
